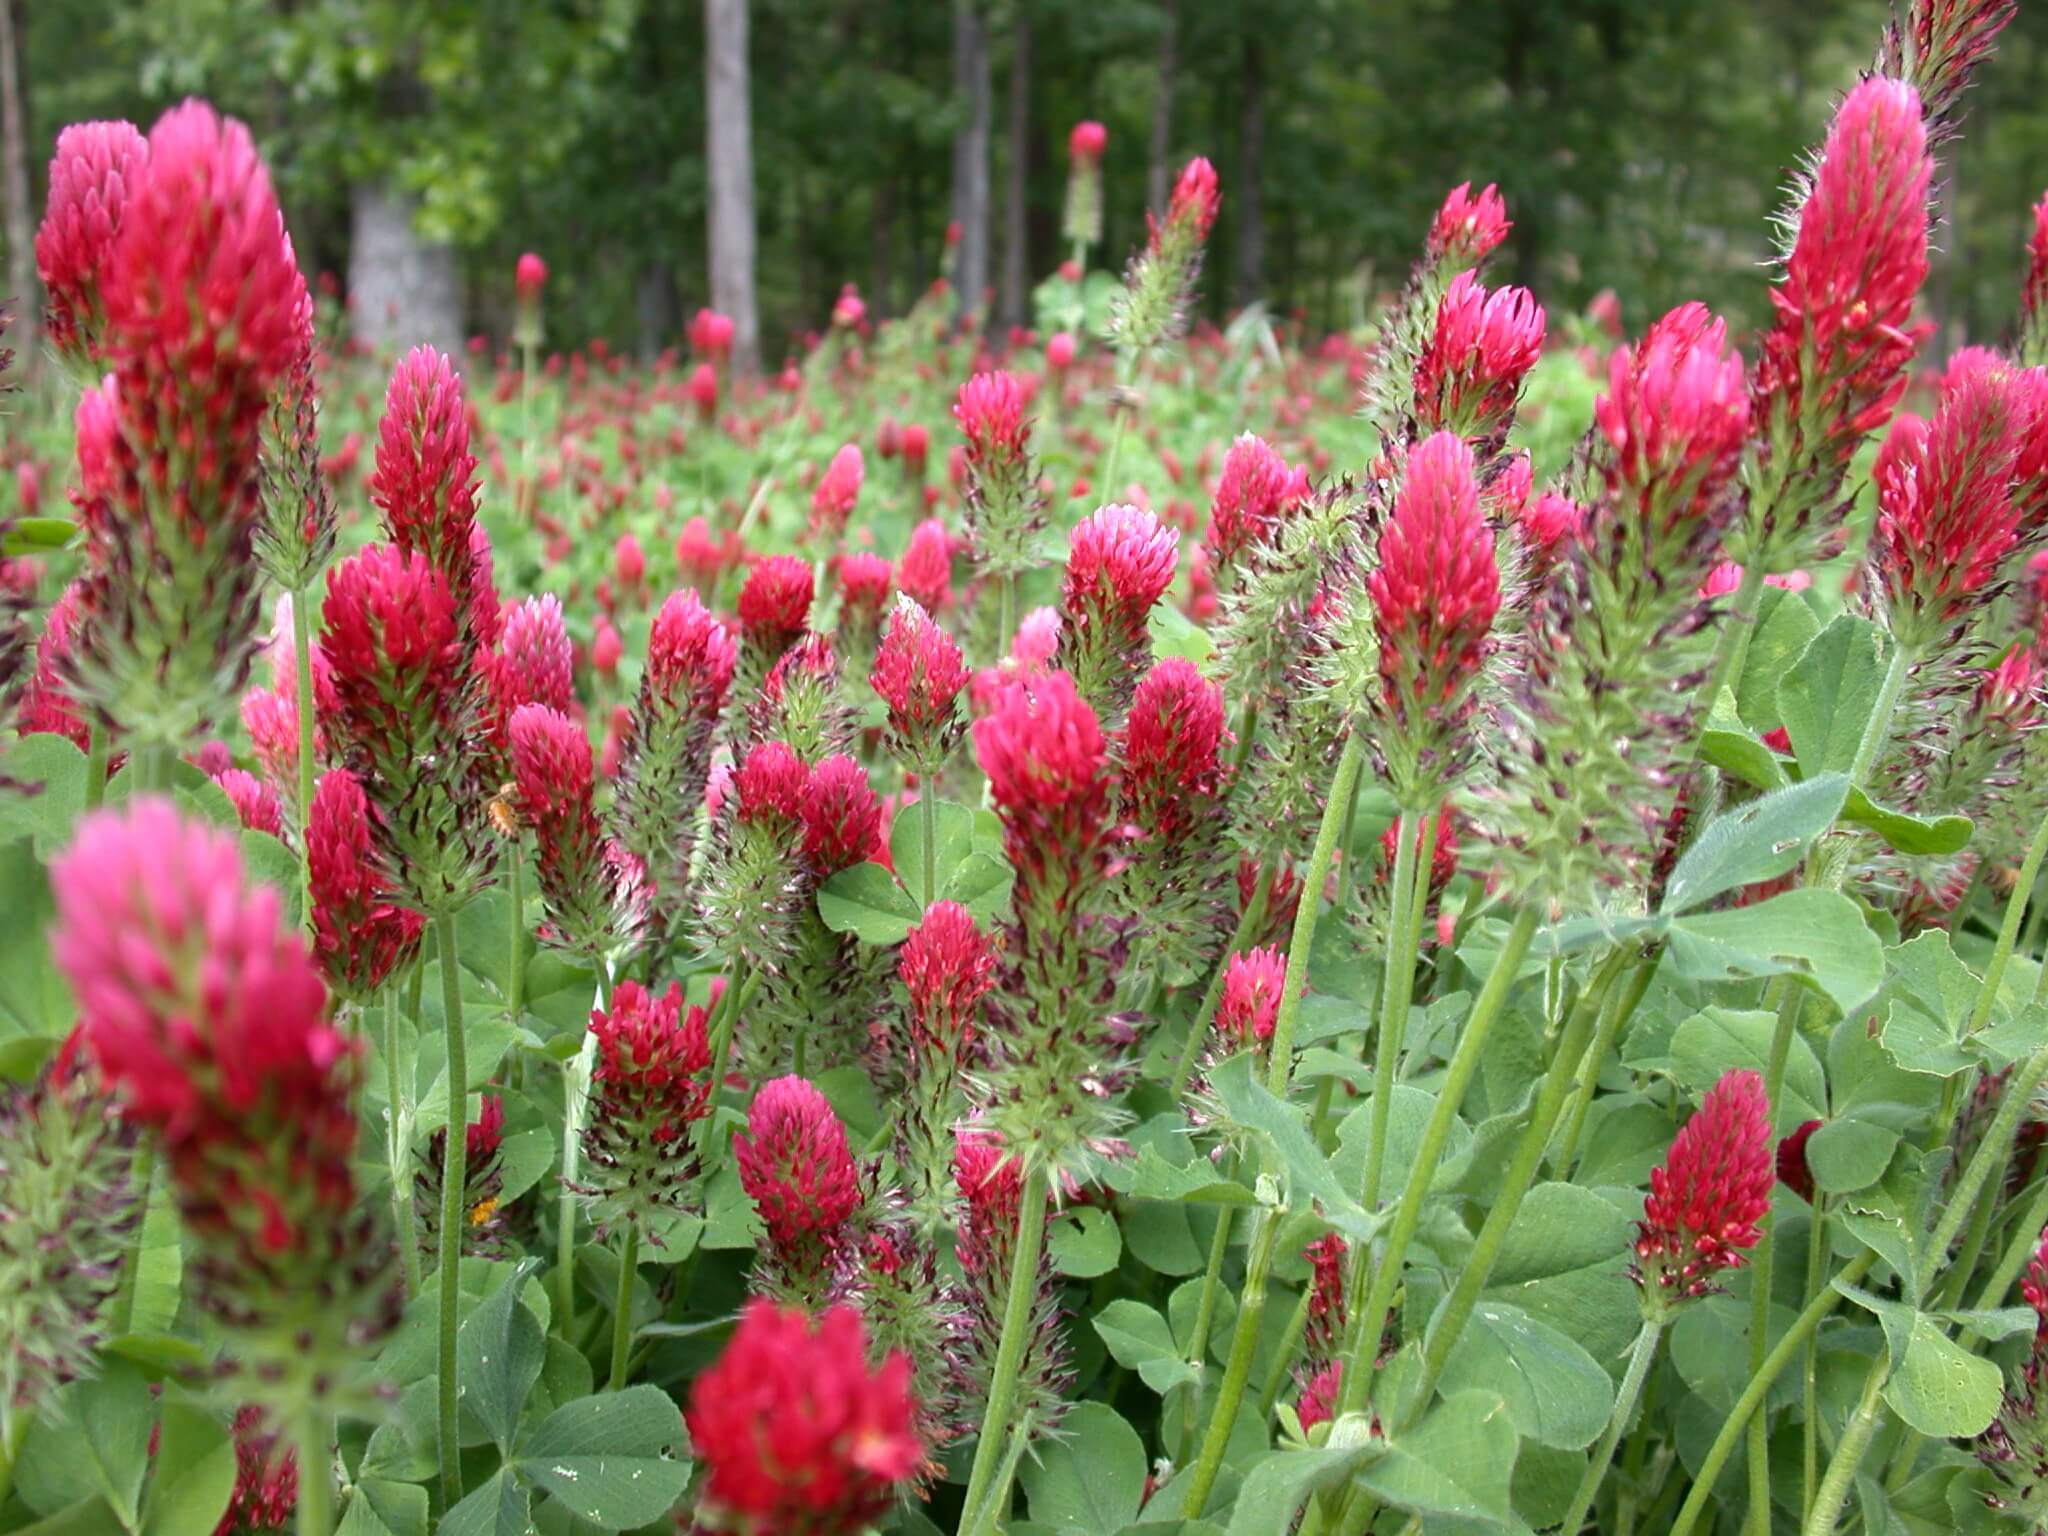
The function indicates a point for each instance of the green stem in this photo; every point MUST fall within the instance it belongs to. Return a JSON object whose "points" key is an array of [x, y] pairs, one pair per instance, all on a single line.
{"points": [[454, 1173], [711, 1148], [302, 655], [2009, 929], [1990, 1155], [1244, 1345], [622, 1309], [151, 764], [998, 1496], [1611, 1023], [1371, 1320], [928, 821], [1738, 627], [575, 1083], [1410, 888], [1826, 1513], [515, 936], [1760, 1383], [1280, 1060], [1006, 614], [1791, 1002], [1205, 1318], [1816, 1274], [399, 1153], [1624, 1409], [1878, 729], [95, 766], [1283, 1357], [1248, 923], [2017, 1251], [121, 1316], [1017, 1309], [316, 1475]]}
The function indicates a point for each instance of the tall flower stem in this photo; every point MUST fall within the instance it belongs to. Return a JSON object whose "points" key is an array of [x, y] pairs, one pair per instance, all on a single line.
{"points": [[1624, 1409], [622, 1308], [575, 1086], [1017, 1309], [316, 1474], [515, 934], [1612, 1023], [1205, 1318], [1816, 1282], [1409, 885], [1826, 1513], [454, 1171], [302, 656], [399, 1155], [1237, 1370], [1280, 1060], [2009, 928], [95, 766], [1732, 1428], [1791, 1002], [1731, 646], [1126, 371], [1248, 923], [928, 823], [2024, 1239]]}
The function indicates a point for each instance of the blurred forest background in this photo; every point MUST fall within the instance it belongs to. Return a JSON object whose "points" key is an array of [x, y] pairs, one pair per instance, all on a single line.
{"points": [[1641, 144]]}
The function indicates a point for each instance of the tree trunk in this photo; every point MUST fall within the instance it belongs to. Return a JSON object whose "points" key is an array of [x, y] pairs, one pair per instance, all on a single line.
{"points": [[1160, 168], [729, 147], [402, 289], [970, 157], [1248, 212], [20, 218], [657, 307], [1017, 213]]}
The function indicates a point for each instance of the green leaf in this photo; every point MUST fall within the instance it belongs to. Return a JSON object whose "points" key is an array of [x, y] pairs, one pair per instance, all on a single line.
{"points": [[867, 902], [1084, 1242], [1829, 694], [615, 1459], [1457, 1462], [981, 884], [1275, 1489], [47, 814], [159, 1263], [1757, 841], [93, 1439], [1940, 1388], [380, 1507], [499, 1352], [1818, 936], [952, 842], [1284, 1127], [501, 1507], [1139, 1339], [1091, 1479], [1908, 834], [38, 536], [1555, 1392], [1741, 756], [195, 1475], [1175, 634], [1932, 994], [1785, 626], [1849, 1154], [34, 998], [1717, 1040]]}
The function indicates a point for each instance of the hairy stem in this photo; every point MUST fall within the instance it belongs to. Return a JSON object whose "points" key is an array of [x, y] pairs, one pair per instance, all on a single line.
{"points": [[1280, 1062], [1244, 1345], [1409, 885], [622, 1308], [1826, 1513], [302, 655], [1017, 1309], [316, 1474], [1624, 1409], [454, 1172], [399, 1154]]}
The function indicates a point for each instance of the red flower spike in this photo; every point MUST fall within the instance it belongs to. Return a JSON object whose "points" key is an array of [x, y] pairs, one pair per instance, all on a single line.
{"points": [[650, 1085], [865, 581], [1255, 492], [266, 1493], [1318, 1404], [1120, 561], [556, 775], [1041, 748], [796, 1166], [2034, 289], [1323, 1333], [842, 816], [425, 477], [392, 640], [1468, 228], [925, 572], [947, 965], [838, 491], [529, 276], [361, 935], [711, 335], [690, 656], [800, 1436], [533, 663], [919, 674], [1173, 750], [1484, 344], [770, 786], [255, 801], [1676, 415], [93, 173], [1707, 1199], [990, 411], [1087, 142], [2034, 1288], [1196, 199], [1253, 984], [775, 604]]}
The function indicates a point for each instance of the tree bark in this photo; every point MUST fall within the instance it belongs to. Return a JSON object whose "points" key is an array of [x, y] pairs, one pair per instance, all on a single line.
{"points": [[1248, 212], [1017, 212], [970, 157], [20, 218], [402, 288], [1160, 168], [729, 147], [657, 307]]}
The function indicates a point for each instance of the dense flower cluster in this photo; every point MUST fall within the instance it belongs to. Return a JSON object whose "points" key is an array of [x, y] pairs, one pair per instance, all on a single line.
{"points": [[1708, 1196]]}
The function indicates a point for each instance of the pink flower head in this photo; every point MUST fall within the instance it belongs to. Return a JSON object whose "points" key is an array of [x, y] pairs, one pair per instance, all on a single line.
{"points": [[1858, 261], [425, 478], [1318, 1404], [629, 562], [1468, 228], [796, 1166], [1484, 344], [1087, 142], [703, 390], [1256, 491], [690, 657], [1253, 984], [1549, 522], [1946, 519], [864, 583], [800, 1436], [849, 310], [1037, 640], [775, 604], [361, 935], [1120, 561], [701, 558], [1060, 348], [919, 672], [992, 1184], [533, 663], [48, 706], [2034, 1288], [1041, 746], [1436, 590], [556, 777], [990, 410], [926, 570], [917, 447], [1323, 1333], [711, 335], [393, 642], [841, 815], [207, 1017], [1173, 750], [947, 965], [1707, 1199], [255, 801], [1676, 415], [1793, 1171], [650, 1084], [1196, 199], [529, 276], [770, 786], [93, 174], [838, 490]]}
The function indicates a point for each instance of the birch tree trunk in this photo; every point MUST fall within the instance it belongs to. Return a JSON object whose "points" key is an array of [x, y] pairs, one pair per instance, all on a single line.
{"points": [[1017, 210], [729, 149]]}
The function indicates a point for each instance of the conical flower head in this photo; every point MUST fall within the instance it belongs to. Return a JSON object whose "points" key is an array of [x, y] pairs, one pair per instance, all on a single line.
{"points": [[425, 477], [796, 1166], [919, 674], [1709, 1195], [946, 965], [651, 1083], [865, 581], [581, 879], [1255, 491], [2034, 289], [768, 790], [775, 603], [1003, 506], [1120, 561], [1253, 984], [1435, 593], [1152, 307], [1484, 344], [295, 539], [1946, 519], [799, 1434], [690, 657], [1468, 226], [838, 492], [711, 335], [925, 573], [533, 662], [991, 1184], [1676, 415], [1173, 751], [1081, 220], [92, 175], [1936, 46], [802, 702], [842, 816], [361, 935]]}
